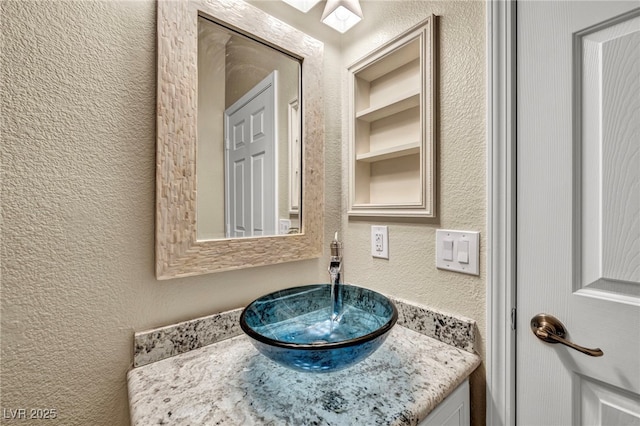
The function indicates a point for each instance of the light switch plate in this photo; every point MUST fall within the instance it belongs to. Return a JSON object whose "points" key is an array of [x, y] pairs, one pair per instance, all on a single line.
{"points": [[380, 242], [468, 241]]}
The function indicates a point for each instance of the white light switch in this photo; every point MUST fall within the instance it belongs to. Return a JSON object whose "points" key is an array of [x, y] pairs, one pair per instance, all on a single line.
{"points": [[463, 251], [458, 251], [447, 249]]}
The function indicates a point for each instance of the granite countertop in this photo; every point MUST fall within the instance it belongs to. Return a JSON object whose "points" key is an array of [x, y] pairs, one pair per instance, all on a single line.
{"points": [[230, 382]]}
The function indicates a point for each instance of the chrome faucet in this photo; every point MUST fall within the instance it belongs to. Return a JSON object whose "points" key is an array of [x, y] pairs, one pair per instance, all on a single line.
{"points": [[335, 266]]}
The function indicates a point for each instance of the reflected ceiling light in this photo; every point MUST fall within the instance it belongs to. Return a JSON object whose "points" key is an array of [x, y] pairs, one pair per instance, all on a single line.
{"points": [[342, 14], [302, 5]]}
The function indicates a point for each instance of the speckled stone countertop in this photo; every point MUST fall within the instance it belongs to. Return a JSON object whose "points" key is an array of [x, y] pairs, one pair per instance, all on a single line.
{"points": [[229, 382]]}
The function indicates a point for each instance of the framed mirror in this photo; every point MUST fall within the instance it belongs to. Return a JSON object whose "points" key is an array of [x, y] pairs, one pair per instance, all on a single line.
{"points": [[217, 207]]}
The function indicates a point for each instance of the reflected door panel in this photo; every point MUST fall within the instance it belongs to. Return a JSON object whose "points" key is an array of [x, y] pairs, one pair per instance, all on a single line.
{"points": [[258, 199], [251, 156], [238, 202]]}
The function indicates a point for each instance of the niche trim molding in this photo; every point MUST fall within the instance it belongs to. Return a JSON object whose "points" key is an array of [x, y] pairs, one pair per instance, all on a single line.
{"points": [[392, 127]]}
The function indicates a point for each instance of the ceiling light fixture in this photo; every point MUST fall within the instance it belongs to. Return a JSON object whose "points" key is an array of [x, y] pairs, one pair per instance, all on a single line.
{"points": [[302, 5], [341, 15]]}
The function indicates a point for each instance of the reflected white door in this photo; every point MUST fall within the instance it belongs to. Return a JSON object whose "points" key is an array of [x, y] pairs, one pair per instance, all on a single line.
{"points": [[578, 217], [250, 162]]}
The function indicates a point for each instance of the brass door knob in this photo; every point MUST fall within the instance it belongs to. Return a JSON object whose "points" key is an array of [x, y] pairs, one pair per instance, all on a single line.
{"points": [[548, 328]]}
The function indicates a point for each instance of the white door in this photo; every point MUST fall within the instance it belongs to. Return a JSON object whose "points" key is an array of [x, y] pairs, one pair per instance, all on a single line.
{"points": [[250, 162], [578, 202]]}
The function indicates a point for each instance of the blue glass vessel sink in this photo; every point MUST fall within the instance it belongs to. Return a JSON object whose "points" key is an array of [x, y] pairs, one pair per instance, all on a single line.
{"points": [[294, 327]]}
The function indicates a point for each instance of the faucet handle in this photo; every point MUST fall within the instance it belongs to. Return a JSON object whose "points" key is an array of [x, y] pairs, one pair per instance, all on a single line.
{"points": [[336, 247]]}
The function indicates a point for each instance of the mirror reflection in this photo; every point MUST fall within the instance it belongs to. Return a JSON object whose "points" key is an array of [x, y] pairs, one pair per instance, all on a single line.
{"points": [[248, 163]]}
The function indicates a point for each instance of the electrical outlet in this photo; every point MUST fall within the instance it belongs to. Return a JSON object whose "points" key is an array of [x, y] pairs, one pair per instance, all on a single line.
{"points": [[285, 225], [380, 242]]}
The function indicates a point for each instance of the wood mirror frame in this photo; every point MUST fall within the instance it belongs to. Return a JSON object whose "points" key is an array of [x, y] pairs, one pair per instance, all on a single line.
{"points": [[178, 252]]}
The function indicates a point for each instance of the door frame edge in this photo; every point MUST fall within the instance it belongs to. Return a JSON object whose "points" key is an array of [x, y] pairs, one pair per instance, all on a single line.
{"points": [[501, 211]]}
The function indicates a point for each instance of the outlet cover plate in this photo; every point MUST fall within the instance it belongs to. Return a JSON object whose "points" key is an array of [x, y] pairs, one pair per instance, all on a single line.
{"points": [[285, 225], [456, 260], [380, 242]]}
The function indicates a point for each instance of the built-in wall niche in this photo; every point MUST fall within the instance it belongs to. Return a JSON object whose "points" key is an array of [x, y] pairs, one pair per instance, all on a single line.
{"points": [[392, 140]]}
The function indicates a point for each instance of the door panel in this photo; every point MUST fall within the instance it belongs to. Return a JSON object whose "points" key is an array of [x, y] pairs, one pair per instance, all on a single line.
{"points": [[609, 118], [605, 405], [578, 195]]}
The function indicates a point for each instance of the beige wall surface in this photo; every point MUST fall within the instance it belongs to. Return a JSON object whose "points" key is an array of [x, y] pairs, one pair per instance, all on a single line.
{"points": [[78, 93], [78, 196], [410, 272]]}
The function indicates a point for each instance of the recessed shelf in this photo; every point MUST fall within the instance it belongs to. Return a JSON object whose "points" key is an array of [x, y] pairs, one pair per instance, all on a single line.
{"points": [[388, 153], [403, 102], [401, 56], [391, 128]]}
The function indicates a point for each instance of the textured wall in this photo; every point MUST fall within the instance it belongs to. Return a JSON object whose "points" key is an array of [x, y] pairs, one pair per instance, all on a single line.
{"points": [[410, 272], [78, 165], [78, 93]]}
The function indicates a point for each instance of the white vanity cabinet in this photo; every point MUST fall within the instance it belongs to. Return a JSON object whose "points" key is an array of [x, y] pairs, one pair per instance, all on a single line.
{"points": [[453, 411], [392, 127]]}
